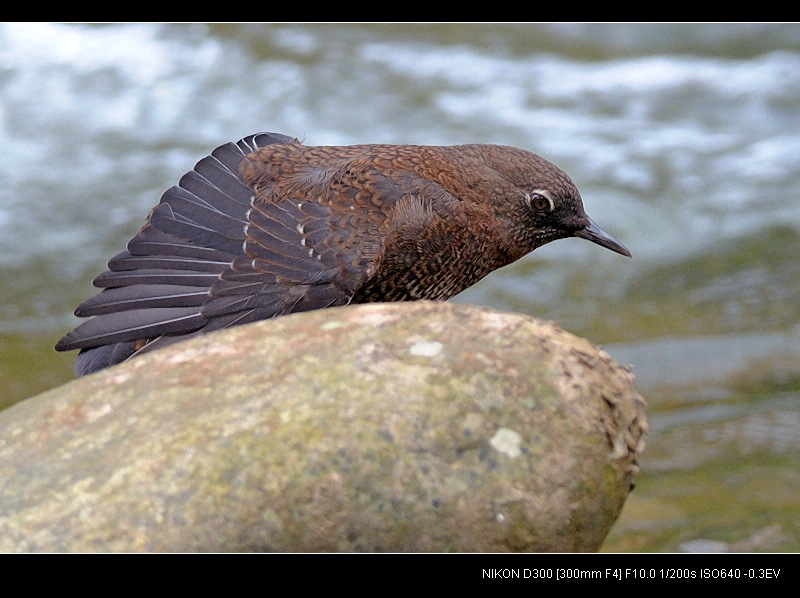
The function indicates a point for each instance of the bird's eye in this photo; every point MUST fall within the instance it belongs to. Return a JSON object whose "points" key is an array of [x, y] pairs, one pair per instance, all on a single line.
{"points": [[540, 202]]}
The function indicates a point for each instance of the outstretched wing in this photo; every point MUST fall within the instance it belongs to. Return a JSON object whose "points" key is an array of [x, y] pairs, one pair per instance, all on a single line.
{"points": [[211, 255]]}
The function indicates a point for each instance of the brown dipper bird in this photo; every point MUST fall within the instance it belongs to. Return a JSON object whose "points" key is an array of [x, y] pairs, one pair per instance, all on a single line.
{"points": [[268, 226]]}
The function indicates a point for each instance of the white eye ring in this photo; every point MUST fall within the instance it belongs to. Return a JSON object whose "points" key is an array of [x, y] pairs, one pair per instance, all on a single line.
{"points": [[532, 197]]}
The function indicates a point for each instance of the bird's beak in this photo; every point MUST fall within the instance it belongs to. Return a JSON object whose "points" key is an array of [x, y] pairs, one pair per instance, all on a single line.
{"points": [[595, 234]]}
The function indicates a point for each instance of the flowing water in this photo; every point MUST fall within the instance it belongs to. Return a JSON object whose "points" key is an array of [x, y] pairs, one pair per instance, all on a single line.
{"points": [[683, 139]]}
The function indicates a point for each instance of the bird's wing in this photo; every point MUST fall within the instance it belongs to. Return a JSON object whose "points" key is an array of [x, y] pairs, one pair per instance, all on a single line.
{"points": [[212, 254], [158, 284]]}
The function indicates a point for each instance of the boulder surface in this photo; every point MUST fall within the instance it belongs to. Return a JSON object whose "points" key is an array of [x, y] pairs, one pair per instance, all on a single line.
{"points": [[396, 427]]}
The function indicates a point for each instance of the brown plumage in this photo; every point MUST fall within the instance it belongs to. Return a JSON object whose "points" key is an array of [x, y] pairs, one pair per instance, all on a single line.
{"points": [[268, 226]]}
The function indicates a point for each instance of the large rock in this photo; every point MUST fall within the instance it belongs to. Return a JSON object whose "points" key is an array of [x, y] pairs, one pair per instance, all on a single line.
{"points": [[385, 427]]}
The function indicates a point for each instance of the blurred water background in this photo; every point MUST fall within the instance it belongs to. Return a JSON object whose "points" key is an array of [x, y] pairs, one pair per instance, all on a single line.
{"points": [[684, 140]]}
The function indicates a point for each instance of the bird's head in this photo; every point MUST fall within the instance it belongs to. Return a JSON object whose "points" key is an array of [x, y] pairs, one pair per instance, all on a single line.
{"points": [[554, 215], [543, 201]]}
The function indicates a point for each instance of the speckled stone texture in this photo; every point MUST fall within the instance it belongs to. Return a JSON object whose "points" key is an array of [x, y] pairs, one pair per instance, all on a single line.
{"points": [[382, 427]]}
